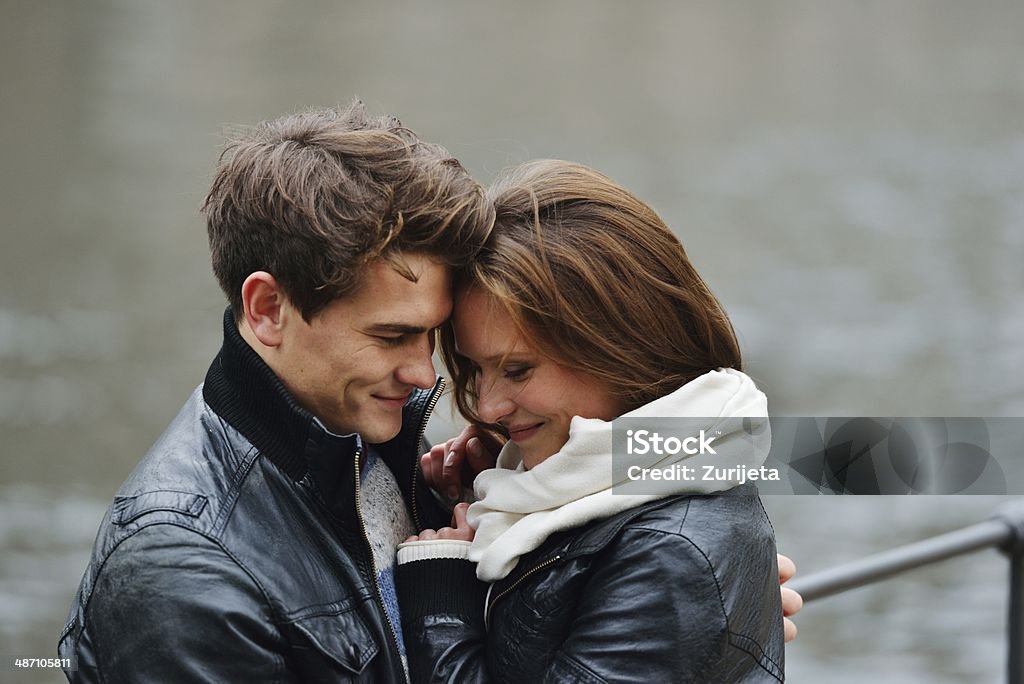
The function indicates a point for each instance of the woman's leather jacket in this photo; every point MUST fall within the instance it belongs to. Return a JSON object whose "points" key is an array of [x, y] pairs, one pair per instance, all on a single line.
{"points": [[680, 590]]}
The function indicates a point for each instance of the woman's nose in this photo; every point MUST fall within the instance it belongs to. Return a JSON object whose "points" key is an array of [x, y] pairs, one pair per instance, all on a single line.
{"points": [[492, 403]]}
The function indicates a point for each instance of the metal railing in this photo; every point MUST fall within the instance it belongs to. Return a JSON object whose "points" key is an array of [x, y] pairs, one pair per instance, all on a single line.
{"points": [[1004, 530]]}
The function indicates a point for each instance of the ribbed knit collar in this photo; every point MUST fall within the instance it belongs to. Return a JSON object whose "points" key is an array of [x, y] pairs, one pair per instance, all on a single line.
{"points": [[242, 389]]}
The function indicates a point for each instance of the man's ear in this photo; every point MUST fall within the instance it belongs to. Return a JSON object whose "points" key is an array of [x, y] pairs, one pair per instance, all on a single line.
{"points": [[265, 307]]}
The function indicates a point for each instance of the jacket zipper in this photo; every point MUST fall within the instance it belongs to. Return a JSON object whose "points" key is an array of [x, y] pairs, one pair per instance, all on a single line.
{"points": [[373, 565], [431, 403], [491, 602]]}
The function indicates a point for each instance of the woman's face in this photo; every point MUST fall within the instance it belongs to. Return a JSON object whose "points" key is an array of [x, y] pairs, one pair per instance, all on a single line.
{"points": [[531, 396]]}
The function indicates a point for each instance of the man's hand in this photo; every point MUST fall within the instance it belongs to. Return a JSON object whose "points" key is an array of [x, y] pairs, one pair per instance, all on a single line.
{"points": [[459, 530], [792, 602], [452, 465]]}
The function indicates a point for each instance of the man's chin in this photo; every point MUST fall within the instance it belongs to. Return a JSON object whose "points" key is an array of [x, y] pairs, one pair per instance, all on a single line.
{"points": [[373, 429], [381, 430]]}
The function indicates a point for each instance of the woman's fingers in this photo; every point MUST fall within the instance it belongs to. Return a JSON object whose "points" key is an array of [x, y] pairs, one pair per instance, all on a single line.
{"points": [[431, 463], [459, 516], [452, 465], [481, 456], [460, 528], [451, 483]]}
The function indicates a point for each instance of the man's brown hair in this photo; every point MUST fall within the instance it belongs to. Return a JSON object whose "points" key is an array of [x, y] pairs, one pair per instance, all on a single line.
{"points": [[593, 278], [313, 197]]}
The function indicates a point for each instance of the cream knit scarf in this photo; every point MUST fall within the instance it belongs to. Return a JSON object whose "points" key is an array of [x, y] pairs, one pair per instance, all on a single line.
{"points": [[517, 509]]}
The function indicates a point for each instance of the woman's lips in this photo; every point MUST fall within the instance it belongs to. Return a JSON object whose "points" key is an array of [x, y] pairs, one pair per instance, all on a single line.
{"points": [[523, 432]]}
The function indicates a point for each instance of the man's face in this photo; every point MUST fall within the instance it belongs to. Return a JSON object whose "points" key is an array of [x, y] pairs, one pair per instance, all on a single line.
{"points": [[355, 364]]}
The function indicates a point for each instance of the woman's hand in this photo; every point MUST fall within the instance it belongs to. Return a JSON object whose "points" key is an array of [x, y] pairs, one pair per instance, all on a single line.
{"points": [[452, 465], [459, 530], [792, 602]]}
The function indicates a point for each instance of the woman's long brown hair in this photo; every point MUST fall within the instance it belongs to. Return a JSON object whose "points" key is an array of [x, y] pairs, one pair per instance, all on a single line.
{"points": [[594, 279]]}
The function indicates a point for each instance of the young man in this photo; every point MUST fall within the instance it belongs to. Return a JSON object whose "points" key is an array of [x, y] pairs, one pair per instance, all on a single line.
{"points": [[255, 541]]}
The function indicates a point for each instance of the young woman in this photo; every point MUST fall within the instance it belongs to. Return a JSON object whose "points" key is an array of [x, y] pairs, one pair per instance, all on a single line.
{"points": [[583, 308]]}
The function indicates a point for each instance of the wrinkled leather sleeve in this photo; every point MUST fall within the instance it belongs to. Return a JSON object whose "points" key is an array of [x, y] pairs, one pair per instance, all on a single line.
{"points": [[443, 620], [196, 616], [650, 610]]}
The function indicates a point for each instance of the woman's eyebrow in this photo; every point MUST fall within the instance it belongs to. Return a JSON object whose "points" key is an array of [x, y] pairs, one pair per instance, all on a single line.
{"points": [[511, 355]]}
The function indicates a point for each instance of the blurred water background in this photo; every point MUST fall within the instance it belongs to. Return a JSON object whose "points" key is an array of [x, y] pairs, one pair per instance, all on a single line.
{"points": [[848, 176]]}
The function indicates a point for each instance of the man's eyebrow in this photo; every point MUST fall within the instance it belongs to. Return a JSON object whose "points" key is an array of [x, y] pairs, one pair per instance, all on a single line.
{"points": [[399, 328]]}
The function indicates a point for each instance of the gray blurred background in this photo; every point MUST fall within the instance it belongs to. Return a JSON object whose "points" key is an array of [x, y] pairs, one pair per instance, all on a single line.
{"points": [[847, 176]]}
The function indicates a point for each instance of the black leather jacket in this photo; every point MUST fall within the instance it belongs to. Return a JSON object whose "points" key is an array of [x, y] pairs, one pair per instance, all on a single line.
{"points": [[235, 552], [680, 590]]}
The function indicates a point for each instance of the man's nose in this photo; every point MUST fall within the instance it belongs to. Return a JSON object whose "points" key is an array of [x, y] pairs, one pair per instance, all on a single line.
{"points": [[418, 368]]}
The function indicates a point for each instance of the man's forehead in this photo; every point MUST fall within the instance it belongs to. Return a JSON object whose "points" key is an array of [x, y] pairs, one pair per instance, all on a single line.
{"points": [[403, 270], [410, 265], [388, 299]]}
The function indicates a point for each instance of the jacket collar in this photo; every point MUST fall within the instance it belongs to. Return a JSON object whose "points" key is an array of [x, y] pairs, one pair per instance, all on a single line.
{"points": [[245, 392]]}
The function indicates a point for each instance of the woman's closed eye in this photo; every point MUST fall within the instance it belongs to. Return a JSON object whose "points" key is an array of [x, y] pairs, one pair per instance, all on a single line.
{"points": [[517, 373]]}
